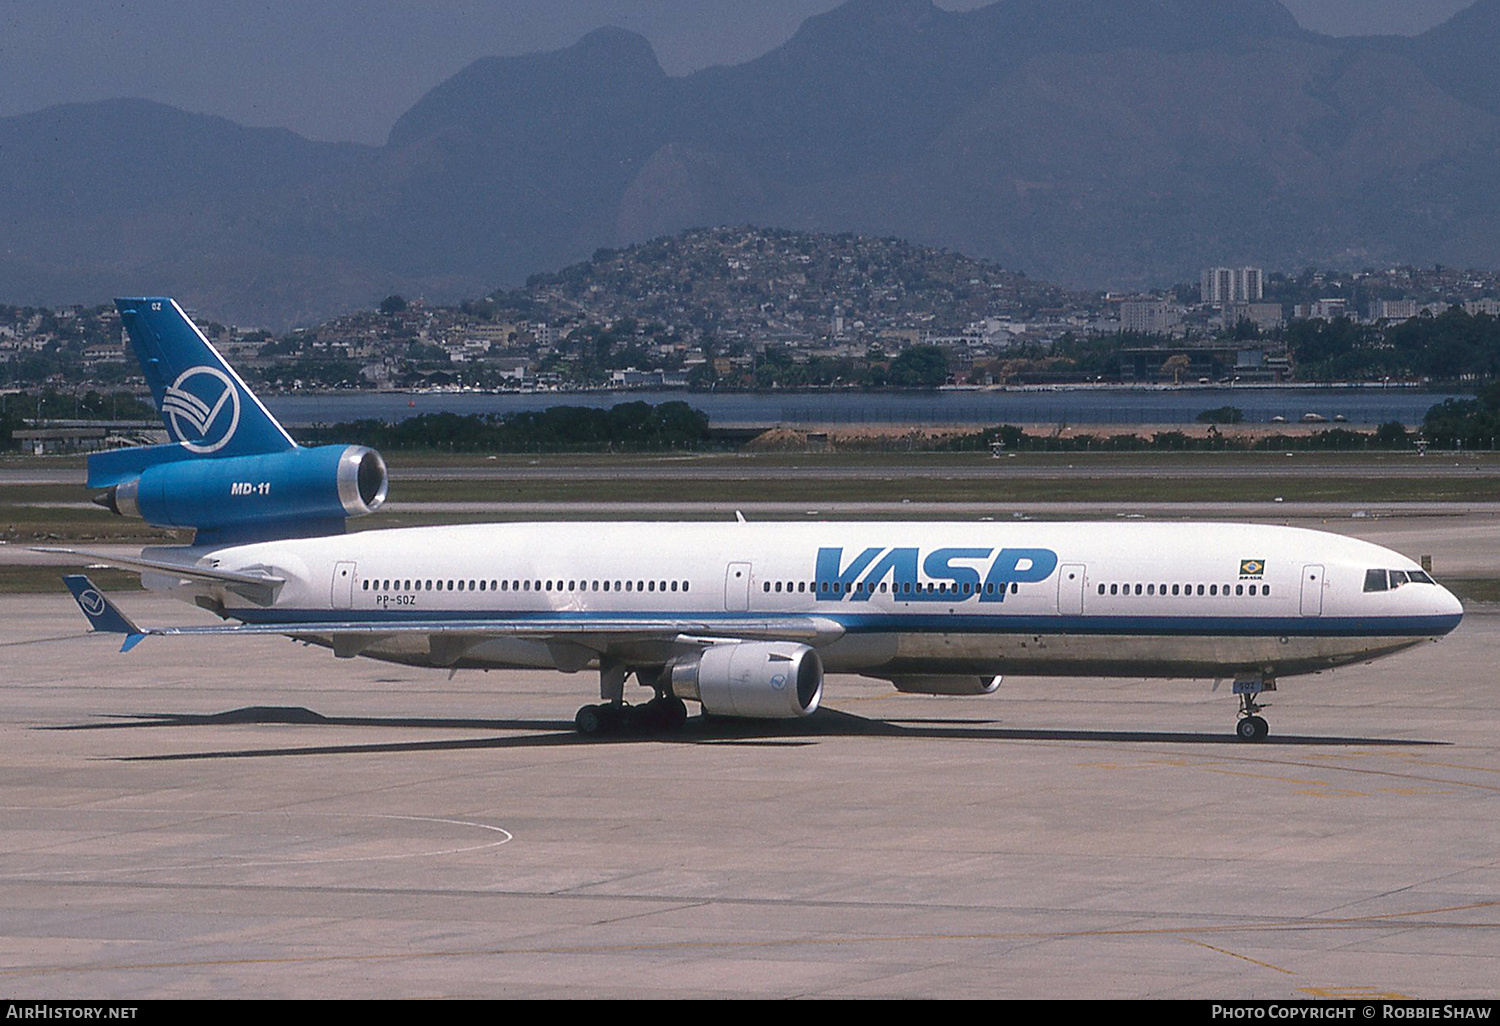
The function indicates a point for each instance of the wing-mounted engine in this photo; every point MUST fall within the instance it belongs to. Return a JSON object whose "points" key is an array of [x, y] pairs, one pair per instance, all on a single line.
{"points": [[767, 680], [297, 492]]}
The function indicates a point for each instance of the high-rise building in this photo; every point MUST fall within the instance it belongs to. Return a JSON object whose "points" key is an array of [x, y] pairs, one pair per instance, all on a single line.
{"points": [[1254, 286], [1217, 286], [1221, 285]]}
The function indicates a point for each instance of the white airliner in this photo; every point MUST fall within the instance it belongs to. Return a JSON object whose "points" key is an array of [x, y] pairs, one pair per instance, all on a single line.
{"points": [[743, 618]]}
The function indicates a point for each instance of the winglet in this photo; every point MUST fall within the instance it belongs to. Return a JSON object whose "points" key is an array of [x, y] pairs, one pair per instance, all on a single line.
{"points": [[102, 614]]}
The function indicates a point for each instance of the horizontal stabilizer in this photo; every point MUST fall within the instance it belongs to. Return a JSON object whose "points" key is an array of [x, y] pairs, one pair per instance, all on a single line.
{"points": [[102, 614], [261, 588], [110, 467]]}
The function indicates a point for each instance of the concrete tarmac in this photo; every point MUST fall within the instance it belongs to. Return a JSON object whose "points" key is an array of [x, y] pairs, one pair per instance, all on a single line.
{"points": [[253, 818]]}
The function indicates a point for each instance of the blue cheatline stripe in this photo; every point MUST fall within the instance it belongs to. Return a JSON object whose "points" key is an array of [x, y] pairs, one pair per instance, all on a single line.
{"points": [[875, 623]]}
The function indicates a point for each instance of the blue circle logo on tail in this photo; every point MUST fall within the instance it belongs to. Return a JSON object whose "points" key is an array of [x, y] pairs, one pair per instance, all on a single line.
{"points": [[202, 409], [92, 602]]}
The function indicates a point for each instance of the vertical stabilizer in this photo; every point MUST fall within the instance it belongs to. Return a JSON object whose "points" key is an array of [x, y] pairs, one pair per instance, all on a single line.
{"points": [[207, 408]]}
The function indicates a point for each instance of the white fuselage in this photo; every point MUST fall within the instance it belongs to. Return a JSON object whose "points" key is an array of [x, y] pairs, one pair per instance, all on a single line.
{"points": [[1139, 599]]}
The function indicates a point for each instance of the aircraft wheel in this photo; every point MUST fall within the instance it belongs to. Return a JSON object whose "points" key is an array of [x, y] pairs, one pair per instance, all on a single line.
{"points": [[594, 720], [1252, 728], [588, 721], [672, 713], [661, 714]]}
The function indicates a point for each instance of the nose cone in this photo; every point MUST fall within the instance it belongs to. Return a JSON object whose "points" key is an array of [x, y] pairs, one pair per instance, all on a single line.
{"points": [[1448, 608]]}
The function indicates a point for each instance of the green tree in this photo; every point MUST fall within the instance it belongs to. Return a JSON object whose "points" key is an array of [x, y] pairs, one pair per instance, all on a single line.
{"points": [[919, 367], [1474, 423], [1392, 435]]}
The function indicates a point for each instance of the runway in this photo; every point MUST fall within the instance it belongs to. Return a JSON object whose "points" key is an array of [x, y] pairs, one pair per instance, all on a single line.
{"points": [[892, 466], [252, 818]]}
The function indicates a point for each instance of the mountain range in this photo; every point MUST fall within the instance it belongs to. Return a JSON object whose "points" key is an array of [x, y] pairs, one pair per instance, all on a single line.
{"points": [[1116, 143]]}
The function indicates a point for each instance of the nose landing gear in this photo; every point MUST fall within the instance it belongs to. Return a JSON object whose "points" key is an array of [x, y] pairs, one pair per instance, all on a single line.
{"points": [[1252, 727]]}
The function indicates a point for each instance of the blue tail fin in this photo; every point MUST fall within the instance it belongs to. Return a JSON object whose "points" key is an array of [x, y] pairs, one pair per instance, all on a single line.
{"points": [[207, 408]]}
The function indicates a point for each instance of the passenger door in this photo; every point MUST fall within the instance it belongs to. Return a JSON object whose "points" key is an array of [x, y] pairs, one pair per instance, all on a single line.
{"points": [[1312, 590], [737, 588], [342, 596], [1070, 578]]}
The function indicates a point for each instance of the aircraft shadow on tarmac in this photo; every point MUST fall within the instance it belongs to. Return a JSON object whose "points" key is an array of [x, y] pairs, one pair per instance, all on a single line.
{"points": [[825, 723]]}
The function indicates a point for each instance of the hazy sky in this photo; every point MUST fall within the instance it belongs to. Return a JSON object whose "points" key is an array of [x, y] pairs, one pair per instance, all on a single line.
{"points": [[345, 69]]}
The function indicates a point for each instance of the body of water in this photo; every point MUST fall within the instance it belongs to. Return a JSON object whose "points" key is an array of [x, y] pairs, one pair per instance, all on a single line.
{"points": [[1359, 407]]}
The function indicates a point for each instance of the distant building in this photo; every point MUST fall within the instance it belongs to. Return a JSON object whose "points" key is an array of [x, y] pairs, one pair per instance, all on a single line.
{"points": [[501, 334], [632, 378], [1393, 309], [1323, 310], [1265, 316], [1490, 307], [1223, 285], [1210, 362], [1148, 316], [513, 368], [88, 436]]}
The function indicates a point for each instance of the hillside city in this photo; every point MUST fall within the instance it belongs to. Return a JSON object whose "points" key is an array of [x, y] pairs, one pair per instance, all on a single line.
{"points": [[762, 308]]}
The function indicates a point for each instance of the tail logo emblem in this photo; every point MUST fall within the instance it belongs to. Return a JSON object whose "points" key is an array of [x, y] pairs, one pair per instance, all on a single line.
{"points": [[92, 602], [194, 408]]}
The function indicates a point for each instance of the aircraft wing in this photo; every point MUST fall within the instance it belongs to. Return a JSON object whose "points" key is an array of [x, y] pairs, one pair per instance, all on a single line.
{"points": [[591, 633]]}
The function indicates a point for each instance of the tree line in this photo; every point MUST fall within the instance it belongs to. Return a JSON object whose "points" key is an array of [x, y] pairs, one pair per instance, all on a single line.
{"points": [[1449, 347], [627, 427]]}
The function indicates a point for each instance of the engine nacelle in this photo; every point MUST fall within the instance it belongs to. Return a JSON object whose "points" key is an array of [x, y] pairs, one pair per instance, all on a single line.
{"points": [[763, 680], [316, 489], [946, 684]]}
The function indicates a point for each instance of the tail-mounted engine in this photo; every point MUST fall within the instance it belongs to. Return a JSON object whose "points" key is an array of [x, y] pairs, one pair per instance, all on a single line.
{"points": [[296, 492]]}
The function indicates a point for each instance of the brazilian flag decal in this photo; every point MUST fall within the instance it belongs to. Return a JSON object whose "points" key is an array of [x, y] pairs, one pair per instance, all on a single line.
{"points": [[1252, 567]]}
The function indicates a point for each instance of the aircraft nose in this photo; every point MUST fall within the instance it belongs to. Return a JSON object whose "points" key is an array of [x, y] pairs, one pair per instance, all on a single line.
{"points": [[1448, 605]]}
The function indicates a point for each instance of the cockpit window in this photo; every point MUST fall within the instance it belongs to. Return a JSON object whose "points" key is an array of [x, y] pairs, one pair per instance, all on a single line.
{"points": [[1385, 580]]}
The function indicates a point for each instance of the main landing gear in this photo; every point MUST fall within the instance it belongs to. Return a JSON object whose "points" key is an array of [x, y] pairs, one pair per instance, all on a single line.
{"points": [[1252, 727], [663, 713], [612, 716]]}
